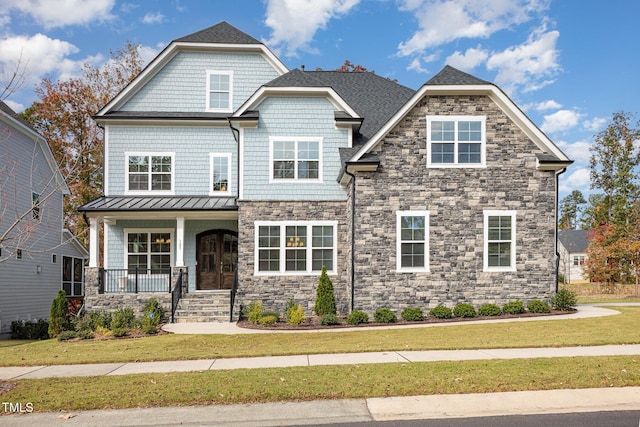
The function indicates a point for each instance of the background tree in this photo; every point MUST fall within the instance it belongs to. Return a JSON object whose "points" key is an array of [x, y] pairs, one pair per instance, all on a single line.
{"points": [[63, 115], [570, 210]]}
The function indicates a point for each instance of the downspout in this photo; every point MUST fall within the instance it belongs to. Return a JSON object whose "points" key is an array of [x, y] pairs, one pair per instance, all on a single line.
{"points": [[555, 231], [353, 235], [236, 136]]}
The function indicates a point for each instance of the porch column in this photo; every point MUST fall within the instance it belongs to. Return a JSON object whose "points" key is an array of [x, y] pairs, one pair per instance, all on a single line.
{"points": [[180, 242], [94, 241]]}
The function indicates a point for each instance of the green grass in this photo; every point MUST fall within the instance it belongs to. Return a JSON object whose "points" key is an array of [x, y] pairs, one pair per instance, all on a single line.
{"points": [[618, 329], [325, 382]]}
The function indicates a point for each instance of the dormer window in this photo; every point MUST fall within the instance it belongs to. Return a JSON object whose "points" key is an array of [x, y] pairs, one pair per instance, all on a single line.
{"points": [[219, 93]]}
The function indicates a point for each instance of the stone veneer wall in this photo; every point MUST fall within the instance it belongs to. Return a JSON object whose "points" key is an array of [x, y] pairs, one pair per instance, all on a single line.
{"points": [[455, 199], [274, 291]]}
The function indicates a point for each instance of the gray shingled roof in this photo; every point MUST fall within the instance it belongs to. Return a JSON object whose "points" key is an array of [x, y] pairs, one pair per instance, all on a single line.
{"points": [[9, 112], [574, 241], [223, 33], [452, 76], [374, 98], [169, 203]]}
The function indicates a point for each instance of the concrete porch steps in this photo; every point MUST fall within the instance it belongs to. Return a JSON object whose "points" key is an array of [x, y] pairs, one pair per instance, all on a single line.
{"points": [[204, 307]]}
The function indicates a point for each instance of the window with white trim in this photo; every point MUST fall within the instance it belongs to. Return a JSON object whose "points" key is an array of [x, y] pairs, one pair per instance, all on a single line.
{"points": [[219, 91], [295, 247], [412, 241], [579, 260], [296, 159], [35, 201], [456, 141], [149, 251], [220, 174], [499, 240], [72, 275], [150, 172]]}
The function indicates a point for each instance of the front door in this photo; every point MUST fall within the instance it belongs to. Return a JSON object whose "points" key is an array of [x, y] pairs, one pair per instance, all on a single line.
{"points": [[217, 255]]}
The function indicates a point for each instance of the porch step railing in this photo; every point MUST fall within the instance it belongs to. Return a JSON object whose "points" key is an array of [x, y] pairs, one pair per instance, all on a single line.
{"points": [[135, 281], [176, 293]]}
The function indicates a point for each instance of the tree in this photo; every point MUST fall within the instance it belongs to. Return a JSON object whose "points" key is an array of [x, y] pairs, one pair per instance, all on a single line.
{"points": [[325, 298], [12, 81], [59, 314], [570, 210], [63, 115]]}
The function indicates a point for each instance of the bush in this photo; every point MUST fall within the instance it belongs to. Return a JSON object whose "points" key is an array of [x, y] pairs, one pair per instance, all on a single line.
{"points": [[268, 320], [66, 335], [489, 310], [384, 315], [296, 316], [357, 317], [154, 306], [464, 310], [149, 323], [325, 299], [253, 312], [59, 314], [329, 319], [85, 334], [100, 319], [119, 332], [275, 314], [564, 300], [122, 318], [412, 314], [537, 306], [440, 312], [36, 330], [82, 324], [513, 307]]}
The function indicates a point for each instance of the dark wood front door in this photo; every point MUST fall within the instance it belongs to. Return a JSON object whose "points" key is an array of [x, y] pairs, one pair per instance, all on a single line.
{"points": [[217, 255]]}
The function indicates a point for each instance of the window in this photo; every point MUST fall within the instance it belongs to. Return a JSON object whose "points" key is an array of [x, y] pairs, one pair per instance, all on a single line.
{"points": [[219, 94], [150, 172], [220, 174], [499, 240], [412, 240], [54, 259], [72, 275], [149, 251], [455, 141], [35, 203], [295, 247], [295, 159], [18, 253], [578, 260]]}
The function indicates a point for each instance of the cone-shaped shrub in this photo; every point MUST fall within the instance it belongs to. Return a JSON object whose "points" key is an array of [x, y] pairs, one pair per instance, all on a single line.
{"points": [[59, 314], [325, 300]]}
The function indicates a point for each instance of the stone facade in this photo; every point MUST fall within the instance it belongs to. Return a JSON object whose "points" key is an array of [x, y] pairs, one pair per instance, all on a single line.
{"points": [[274, 291], [455, 199]]}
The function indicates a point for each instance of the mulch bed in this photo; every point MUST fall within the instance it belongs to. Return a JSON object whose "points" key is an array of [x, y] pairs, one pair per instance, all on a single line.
{"points": [[6, 386]]}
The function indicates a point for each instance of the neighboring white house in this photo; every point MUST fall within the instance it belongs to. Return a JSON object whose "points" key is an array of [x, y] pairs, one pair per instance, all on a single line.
{"points": [[38, 256], [572, 246]]}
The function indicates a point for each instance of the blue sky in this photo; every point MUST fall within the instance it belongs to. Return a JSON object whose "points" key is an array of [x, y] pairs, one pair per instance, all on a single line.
{"points": [[568, 64]]}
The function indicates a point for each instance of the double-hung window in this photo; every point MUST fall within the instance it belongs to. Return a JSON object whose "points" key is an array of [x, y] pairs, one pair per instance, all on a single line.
{"points": [[296, 159], [220, 174], [150, 172], [35, 205], [219, 91], [412, 241], [456, 141], [149, 251], [499, 241], [300, 247]]}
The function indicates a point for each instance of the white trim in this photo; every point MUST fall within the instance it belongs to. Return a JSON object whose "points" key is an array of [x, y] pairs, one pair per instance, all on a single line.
{"points": [[105, 152], [241, 164], [455, 164], [485, 262], [226, 192], [148, 231], [309, 248], [149, 192], [208, 94], [105, 250], [179, 242], [295, 179], [94, 243], [399, 268]]}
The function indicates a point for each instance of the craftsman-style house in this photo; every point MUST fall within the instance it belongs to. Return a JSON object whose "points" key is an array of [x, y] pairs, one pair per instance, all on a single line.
{"points": [[240, 179]]}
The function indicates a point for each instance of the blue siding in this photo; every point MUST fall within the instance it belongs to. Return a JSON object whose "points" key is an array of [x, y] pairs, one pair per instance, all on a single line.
{"points": [[293, 117], [181, 85]]}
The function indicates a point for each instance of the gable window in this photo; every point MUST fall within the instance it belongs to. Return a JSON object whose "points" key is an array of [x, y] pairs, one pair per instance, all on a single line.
{"points": [[296, 159], [456, 141], [303, 247], [412, 241], [220, 174], [153, 172], [35, 205], [219, 94], [499, 240], [149, 251]]}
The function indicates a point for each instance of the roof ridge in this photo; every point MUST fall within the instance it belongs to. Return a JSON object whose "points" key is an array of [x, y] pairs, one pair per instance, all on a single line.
{"points": [[222, 32], [452, 76]]}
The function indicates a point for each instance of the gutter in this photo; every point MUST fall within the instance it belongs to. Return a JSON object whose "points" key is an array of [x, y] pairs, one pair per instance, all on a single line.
{"points": [[555, 231], [353, 235]]}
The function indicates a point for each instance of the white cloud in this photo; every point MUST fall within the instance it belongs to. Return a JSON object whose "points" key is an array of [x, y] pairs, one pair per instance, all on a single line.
{"points": [[294, 23], [596, 124], [577, 180], [547, 105], [469, 60], [443, 21], [530, 65], [577, 151], [416, 65], [18, 108], [560, 121], [152, 18], [63, 12]]}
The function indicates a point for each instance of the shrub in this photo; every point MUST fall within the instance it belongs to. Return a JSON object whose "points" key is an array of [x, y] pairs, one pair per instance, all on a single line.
{"points": [[384, 315], [292, 307], [30, 330], [149, 323], [296, 316], [275, 314], [440, 312], [253, 312], [564, 300], [412, 314], [59, 314], [489, 310], [464, 310], [357, 317], [513, 307], [325, 299], [122, 318], [119, 332], [100, 319], [101, 331], [329, 319], [66, 335], [268, 320], [537, 306], [85, 334], [154, 306]]}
